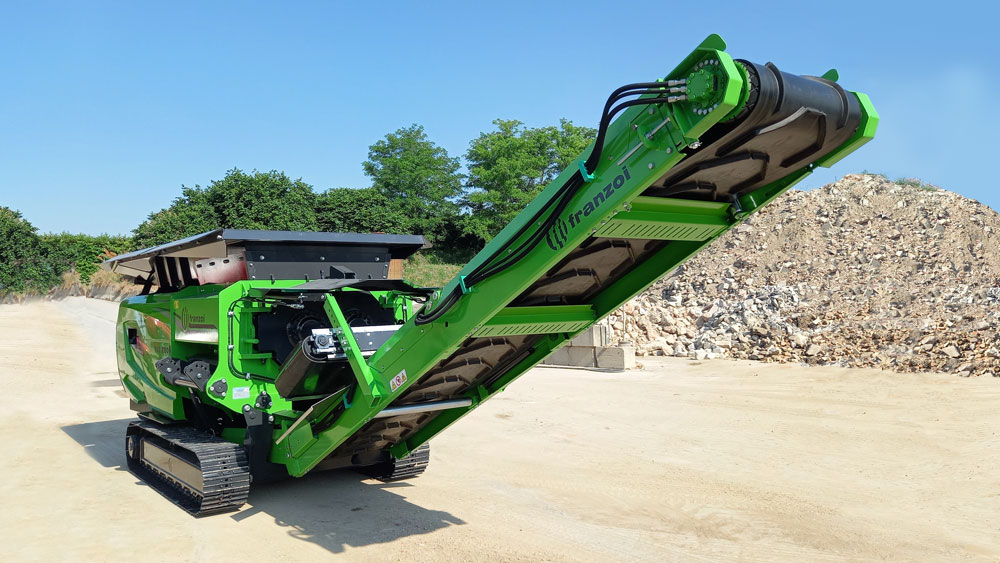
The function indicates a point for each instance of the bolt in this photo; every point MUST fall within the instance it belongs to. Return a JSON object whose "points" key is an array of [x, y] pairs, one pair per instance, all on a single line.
{"points": [[246, 408], [634, 126], [651, 111], [650, 165], [261, 256], [669, 150]]}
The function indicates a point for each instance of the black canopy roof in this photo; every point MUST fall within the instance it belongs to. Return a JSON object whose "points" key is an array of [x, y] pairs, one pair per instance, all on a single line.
{"points": [[215, 244]]}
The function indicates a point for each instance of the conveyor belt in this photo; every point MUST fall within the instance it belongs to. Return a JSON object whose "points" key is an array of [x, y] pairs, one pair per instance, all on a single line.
{"points": [[789, 122]]}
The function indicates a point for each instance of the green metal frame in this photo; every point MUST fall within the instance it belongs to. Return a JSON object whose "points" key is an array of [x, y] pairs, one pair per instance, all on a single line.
{"points": [[482, 310], [537, 320], [372, 387]]}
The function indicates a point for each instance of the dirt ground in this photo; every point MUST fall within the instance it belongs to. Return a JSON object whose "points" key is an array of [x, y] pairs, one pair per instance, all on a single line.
{"points": [[719, 461]]}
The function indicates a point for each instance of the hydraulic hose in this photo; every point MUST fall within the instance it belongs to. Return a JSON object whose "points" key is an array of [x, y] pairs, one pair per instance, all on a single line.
{"points": [[563, 195]]}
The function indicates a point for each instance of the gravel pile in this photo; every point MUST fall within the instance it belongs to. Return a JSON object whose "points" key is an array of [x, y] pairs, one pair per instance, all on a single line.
{"points": [[864, 272]]}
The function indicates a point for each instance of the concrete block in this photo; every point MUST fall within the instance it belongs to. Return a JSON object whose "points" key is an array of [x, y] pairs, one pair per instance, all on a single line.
{"points": [[558, 358], [618, 357], [604, 357], [595, 335]]}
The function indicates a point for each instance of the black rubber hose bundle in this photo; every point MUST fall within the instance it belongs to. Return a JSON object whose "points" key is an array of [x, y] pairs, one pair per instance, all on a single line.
{"points": [[500, 262]]}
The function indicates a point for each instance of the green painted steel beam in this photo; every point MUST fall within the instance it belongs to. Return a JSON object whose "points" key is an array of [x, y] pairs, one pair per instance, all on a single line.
{"points": [[371, 385], [537, 320], [657, 218]]}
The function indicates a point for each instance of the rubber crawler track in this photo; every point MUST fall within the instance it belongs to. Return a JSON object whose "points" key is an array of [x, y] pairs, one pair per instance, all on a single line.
{"points": [[224, 467], [399, 469]]}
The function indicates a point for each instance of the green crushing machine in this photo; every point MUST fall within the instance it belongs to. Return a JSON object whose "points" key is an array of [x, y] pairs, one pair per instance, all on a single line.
{"points": [[259, 355]]}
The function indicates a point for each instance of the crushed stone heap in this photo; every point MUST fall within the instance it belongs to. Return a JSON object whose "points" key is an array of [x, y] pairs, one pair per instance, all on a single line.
{"points": [[864, 272]]}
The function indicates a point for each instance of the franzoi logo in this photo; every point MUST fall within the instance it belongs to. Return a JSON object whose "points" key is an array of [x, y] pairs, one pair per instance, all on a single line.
{"points": [[559, 232], [189, 320]]}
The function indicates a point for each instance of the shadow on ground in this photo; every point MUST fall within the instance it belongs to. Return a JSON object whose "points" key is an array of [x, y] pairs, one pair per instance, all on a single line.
{"points": [[341, 508], [103, 441], [333, 509]]}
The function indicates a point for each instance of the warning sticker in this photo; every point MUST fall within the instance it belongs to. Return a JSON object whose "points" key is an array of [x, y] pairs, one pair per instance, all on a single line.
{"points": [[241, 392], [397, 381]]}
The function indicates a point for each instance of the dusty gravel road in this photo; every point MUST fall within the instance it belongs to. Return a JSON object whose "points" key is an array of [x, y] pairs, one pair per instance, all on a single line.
{"points": [[721, 461]]}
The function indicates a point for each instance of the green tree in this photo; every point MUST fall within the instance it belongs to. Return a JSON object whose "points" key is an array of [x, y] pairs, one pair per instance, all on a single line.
{"points": [[188, 215], [259, 200], [508, 167], [347, 210], [84, 253], [263, 200], [22, 264], [418, 177]]}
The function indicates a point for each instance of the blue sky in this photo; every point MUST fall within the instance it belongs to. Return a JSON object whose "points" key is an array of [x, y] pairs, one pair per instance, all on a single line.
{"points": [[107, 108]]}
